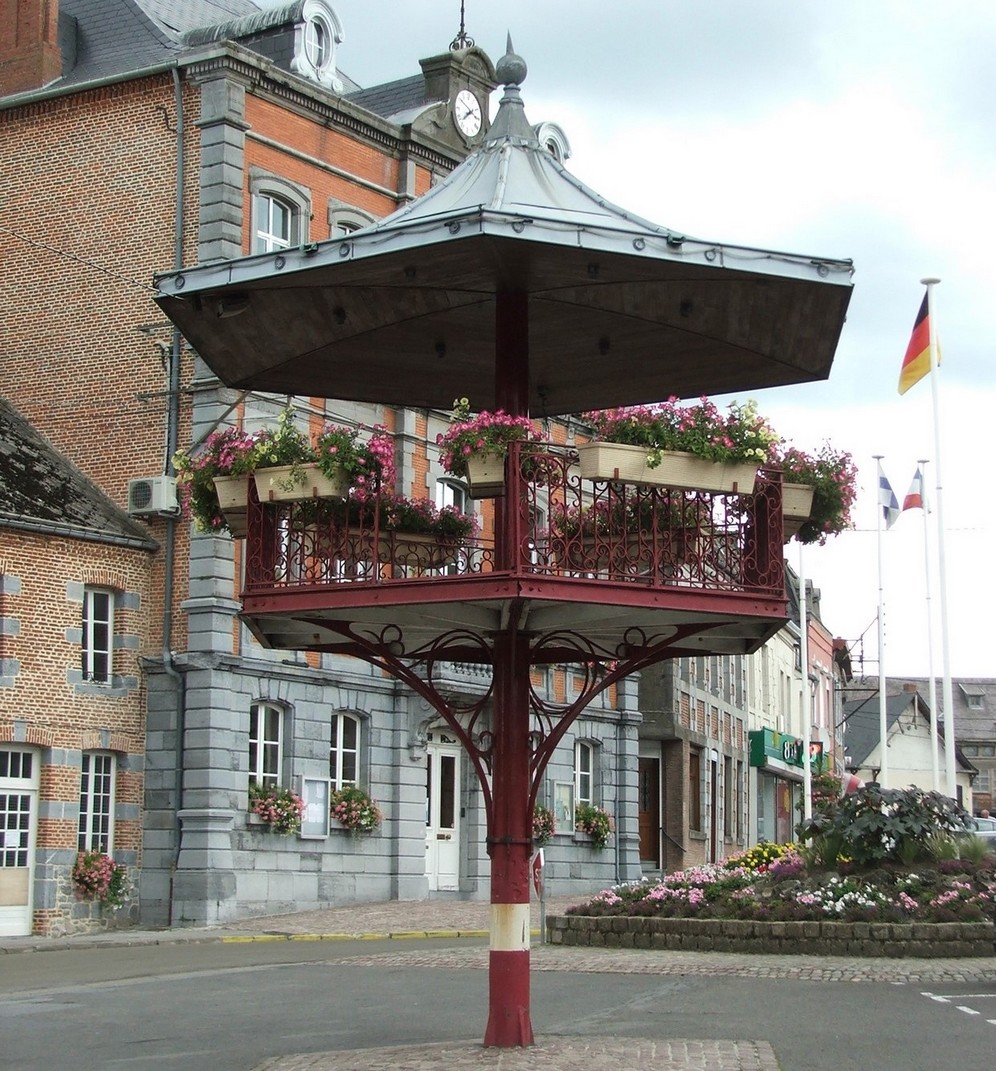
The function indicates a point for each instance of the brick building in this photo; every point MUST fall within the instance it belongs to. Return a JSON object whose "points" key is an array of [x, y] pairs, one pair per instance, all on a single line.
{"points": [[136, 136]]}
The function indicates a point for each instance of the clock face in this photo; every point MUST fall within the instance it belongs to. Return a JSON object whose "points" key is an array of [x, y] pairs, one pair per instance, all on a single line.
{"points": [[467, 113]]}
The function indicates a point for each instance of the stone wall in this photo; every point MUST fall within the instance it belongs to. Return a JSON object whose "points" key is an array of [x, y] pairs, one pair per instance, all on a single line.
{"points": [[924, 940]]}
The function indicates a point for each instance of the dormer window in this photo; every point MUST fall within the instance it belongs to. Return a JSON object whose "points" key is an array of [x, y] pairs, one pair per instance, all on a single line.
{"points": [[315, 40]]}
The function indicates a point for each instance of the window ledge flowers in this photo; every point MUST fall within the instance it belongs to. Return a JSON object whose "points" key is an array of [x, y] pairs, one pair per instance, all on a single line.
{"points": [[595, 822], [486, 433], [97, 877], [279, 808], [355, 810]]}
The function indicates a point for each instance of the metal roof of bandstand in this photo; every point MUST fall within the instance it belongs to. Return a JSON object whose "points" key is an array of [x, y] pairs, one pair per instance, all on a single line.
{"points": [[406, 311]]}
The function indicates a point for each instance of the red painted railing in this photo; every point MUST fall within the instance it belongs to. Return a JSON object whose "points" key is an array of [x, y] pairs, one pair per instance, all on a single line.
{"points": [[558, 525]]}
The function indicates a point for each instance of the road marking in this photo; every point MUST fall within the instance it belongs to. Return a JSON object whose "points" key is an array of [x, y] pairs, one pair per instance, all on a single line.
{"points": [[967, 1010], [937, 997]]}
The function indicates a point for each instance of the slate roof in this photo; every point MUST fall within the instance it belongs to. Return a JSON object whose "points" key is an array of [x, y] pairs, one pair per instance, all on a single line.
{"points": [[976, 723], [42, 492], [107, 39], [861, 725], [393, 98]]}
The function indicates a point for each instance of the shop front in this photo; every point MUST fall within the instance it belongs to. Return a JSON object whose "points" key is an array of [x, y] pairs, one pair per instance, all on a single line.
{"points": [[777, 798]]}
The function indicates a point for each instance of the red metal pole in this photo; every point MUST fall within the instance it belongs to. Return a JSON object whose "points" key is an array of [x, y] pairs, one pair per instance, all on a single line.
{"points": [[510, 836], [510, 847]]}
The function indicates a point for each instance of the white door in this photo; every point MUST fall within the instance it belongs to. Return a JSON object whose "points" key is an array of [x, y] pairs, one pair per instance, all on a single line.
{"points": [[18, 814], [442, 812]]}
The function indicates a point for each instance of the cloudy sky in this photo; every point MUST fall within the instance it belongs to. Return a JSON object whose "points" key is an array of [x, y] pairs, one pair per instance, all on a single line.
{"points": [[849, 129]]}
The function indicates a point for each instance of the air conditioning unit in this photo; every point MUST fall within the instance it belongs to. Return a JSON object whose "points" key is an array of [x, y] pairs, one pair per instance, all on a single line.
{"points": [[151, 495]]}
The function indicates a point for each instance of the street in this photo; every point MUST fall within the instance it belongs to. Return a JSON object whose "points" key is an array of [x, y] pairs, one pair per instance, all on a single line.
{"points": [[229, 1006]]}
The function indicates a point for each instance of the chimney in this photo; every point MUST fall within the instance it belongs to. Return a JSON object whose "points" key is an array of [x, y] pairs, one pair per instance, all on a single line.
{"points": [[29, 45], [909, 686]]}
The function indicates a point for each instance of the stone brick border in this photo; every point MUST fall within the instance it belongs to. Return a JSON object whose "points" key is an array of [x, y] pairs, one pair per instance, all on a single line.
{"points": [[923, 940]]}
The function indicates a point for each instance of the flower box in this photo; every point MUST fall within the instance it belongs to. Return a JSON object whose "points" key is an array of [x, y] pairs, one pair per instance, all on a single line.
{"points": [[797, 501], [233, 498], [618, 462], [294, 483], [486, 475]]}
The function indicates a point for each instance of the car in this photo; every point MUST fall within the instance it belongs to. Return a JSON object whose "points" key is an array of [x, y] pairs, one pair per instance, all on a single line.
{"points": [[984, 828]]}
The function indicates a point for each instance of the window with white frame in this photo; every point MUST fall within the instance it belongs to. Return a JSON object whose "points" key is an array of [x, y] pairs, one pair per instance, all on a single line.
{"points": [[457, 495], [344, 751], [97, 661], [96, 823], [266, 731], [281, 212], [273, 223], [584, 764], [344, 219]]}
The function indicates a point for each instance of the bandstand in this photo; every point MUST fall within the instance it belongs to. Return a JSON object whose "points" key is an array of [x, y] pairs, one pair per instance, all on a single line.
{"points": [[515, 285]]}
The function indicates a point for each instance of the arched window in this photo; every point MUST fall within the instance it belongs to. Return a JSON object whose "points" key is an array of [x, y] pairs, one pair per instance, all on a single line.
{"points": [[344, 219], [281, 212]]}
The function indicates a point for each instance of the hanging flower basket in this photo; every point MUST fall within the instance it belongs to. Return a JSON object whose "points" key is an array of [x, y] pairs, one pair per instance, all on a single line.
{"points": [[233, 499], [486, 475], [678, 470], [295, 483], [797, 502]]}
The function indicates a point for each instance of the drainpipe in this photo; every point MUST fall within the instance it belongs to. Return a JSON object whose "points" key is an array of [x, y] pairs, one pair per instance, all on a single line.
{"points": [[172, 436]]}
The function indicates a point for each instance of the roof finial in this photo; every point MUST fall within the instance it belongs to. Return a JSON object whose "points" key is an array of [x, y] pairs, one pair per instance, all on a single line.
{"points": [[462, 39], [510, 70]]}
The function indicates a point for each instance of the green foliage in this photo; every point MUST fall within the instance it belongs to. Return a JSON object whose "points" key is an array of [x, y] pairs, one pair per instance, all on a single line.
{"points": [[875, 824]]}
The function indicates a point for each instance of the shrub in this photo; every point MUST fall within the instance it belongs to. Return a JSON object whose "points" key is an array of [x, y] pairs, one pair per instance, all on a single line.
{"points": [[355, 809], [874, 823], [280, 808], [595, 822]]}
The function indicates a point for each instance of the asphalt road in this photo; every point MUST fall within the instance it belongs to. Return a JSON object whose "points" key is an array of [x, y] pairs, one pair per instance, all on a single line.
{"points": [[227, 1007]]}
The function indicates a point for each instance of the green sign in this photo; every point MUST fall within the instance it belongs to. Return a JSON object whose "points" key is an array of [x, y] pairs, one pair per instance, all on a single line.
{"points": [[765, 744]]}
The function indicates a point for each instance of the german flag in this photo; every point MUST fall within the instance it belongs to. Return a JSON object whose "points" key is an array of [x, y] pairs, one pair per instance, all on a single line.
{"points": [[916, 363]]}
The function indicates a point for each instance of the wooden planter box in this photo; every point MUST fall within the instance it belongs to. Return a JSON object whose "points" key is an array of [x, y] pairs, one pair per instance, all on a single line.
{"points": [[486, 475], [295, 483], [797, 501], [684, 472], [233, 498]]}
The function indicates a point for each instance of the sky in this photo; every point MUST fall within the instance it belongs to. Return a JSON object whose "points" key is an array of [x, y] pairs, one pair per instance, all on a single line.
{"points": [[853, 130]]}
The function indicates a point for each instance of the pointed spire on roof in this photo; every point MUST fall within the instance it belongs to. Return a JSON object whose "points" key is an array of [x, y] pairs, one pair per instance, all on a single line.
{"points": [[511, 121]]}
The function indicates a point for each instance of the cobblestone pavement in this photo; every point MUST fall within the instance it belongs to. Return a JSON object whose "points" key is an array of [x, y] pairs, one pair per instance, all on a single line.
{"points": [[550, 1054]]}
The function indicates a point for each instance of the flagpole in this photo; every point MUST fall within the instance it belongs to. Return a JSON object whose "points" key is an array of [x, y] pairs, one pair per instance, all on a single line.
{"points": [[948, 693], [883, 728], [807, 768], [932, 683]]}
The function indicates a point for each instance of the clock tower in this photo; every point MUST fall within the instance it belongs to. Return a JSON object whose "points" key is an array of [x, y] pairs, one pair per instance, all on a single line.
{"points": [[463, 80]]}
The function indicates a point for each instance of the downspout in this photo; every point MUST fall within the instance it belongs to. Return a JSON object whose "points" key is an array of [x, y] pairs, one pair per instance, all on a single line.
{"points": [[172, 444]]}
